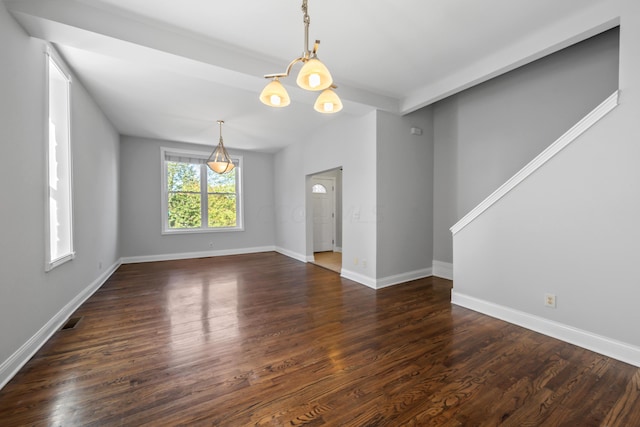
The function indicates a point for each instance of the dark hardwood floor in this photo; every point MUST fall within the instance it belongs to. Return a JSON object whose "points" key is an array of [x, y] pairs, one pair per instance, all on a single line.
{"points": [[263, 339]]}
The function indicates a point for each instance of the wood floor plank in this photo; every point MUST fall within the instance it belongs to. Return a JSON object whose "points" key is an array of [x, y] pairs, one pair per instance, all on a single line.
{"points": [[261, 339]]}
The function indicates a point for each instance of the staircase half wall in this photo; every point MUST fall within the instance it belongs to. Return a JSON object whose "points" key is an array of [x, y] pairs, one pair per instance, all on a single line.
{"points": [[565, 225]]}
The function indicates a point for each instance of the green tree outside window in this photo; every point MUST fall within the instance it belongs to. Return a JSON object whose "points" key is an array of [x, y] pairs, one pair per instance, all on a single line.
{"points": [[185, 194]]}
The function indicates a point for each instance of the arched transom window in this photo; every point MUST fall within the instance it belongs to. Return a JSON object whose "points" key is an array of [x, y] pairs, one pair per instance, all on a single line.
{"points": [[319, 188]]}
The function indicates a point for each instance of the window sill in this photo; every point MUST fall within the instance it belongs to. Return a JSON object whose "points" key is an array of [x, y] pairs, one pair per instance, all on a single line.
{"points": [[201, 230], [57, 262]]}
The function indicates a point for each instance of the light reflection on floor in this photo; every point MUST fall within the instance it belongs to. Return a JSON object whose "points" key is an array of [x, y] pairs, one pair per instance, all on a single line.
{"points": [[205, 306]]}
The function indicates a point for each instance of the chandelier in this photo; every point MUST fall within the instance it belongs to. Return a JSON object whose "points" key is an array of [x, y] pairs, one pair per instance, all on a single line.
{"points": [[313, 76], [219, 160]]}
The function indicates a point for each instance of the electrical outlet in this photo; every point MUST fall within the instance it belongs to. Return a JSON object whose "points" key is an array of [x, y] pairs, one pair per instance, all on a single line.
{"points": [[364, 263], [210, 244], [550, 300], [355, 261]]}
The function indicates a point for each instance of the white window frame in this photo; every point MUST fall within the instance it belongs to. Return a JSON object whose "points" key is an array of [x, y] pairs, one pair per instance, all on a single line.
{"points": [[53, 260], [204, 228]]}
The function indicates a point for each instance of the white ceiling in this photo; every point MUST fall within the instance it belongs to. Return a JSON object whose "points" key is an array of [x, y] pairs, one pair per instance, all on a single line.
{"points": [[170, 69]]}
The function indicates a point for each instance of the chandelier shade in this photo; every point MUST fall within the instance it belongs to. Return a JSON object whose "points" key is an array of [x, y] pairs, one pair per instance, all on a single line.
{"points": [[314, 75], [219, 160], [328, 102], [275, 95]]}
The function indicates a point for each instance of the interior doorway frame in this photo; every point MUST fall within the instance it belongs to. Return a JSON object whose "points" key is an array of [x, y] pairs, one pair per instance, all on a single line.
{"points": [[338, 218]]}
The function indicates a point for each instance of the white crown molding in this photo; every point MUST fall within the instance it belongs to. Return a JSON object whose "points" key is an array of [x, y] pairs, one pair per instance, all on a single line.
{"points": [[571, 135], [10, 367], [603, 345]]}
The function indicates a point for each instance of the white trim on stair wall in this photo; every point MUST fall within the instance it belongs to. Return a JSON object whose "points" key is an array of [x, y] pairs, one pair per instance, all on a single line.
{"points": [[589, 120]]}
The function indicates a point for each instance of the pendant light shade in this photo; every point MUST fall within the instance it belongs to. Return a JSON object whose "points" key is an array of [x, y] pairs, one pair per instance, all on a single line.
{"points": [[328, 102], [275, 95], [314, 75], [219, 161], [220, 167]]}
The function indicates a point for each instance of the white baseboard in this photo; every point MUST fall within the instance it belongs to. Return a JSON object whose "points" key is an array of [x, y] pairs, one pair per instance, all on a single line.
{"points": [[402, 278], [609, 347], [386, 281], [443, 269], [360, 278], [10, 367], [337, 249], [291, 254], [191, 255]]}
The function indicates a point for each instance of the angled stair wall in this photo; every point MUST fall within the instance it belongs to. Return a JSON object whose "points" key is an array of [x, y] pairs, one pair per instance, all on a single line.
{"points": [[545, 231]]}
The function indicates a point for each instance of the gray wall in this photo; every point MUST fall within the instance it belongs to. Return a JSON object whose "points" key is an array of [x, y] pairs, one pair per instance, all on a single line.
{"points": [[32, 301], [485, 134], [571, 228], [290, 201], [404, 194], [387, 213], [354, 138], [140, 196], [445, 153], [339, 209]]}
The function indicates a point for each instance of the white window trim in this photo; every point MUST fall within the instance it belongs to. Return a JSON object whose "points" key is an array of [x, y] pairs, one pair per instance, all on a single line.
{"points": [[164, 199], [52, 56]]}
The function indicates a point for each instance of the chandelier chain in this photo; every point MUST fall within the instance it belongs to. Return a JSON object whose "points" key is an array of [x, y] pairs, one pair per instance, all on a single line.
{"points": [[307, 20]]}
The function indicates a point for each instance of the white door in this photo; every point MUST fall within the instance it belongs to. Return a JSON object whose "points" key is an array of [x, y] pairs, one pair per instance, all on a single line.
{"points": [[323, 196]]}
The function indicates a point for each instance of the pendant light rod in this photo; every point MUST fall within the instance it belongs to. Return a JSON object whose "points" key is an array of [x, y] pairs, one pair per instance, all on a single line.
{"points": [[307, 20], [306, 54], [286, 73]]}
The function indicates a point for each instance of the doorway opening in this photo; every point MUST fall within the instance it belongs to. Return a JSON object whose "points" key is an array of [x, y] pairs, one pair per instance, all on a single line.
{"points": [[324, 232]]}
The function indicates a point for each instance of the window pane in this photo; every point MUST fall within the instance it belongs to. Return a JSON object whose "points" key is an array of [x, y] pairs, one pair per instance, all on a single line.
{"points": [[183, 177], [222, 210], [318, 188], [59, 165], [221, 183], [198, 199], [184, 210]]}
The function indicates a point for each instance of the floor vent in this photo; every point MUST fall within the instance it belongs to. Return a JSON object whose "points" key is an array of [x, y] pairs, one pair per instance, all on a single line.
{"points": [[71, 323]]}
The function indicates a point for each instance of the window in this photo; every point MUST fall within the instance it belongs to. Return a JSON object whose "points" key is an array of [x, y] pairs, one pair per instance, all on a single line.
{"points": [[319, 188], [196, 199], [59, 181]]}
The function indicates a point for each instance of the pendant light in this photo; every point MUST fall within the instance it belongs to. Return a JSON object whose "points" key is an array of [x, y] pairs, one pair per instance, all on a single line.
{"points": [[219, 161], [313, 76]]}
